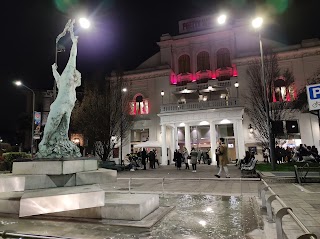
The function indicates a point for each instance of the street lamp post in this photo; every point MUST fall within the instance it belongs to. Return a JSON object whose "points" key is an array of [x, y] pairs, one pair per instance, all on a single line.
{"points": [[162, 94], [124, 90], [19, 83], [237, 87], [257, 23]]}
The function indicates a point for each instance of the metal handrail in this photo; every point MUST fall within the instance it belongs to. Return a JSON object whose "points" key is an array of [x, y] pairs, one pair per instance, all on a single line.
{"points": [[11, 234], [289, 211]]}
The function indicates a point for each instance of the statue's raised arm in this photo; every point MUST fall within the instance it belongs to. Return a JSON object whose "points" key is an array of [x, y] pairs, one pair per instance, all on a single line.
{"points": [[55, 142]]}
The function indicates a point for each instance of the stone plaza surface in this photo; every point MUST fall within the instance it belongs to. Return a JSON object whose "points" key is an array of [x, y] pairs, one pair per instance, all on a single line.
{"points": [[305, 201]]}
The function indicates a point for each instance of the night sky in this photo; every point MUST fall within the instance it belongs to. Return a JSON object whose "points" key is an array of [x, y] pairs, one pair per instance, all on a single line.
{"points": [[124, 34]]}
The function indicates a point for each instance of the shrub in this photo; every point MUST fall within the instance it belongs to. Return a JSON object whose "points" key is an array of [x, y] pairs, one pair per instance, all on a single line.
{"points": [[10, 157]]}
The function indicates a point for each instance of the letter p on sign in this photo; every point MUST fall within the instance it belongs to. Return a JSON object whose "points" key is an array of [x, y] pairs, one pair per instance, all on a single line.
{"points": [[313, 92]]}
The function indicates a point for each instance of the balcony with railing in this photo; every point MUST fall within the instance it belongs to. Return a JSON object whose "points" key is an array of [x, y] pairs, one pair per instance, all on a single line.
{"points": [[202, 105]]}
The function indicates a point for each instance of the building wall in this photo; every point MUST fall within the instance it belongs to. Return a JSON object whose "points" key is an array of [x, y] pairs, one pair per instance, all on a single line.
{"points": [[302, 59]]}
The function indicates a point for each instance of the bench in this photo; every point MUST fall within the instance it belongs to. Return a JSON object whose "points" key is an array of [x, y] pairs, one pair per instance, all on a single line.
{"points": [[112, 165], [249, 169], [301, 173]]}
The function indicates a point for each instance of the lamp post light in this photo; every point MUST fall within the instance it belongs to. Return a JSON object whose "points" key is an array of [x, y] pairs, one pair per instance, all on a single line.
{"points": [[124, 90], [162, 94], [237, 87], [257, 24], [1, 145], [19, 83]]}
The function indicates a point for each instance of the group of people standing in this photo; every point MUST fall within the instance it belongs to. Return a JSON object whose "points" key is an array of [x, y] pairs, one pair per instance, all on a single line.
{"points": [[184, 157], [194, 157]]}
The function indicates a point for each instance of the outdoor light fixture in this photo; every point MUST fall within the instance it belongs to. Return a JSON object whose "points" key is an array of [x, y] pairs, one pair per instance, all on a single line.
{"points": [[18, 83], [237, 87], [257, 22], [84, 23], [250, 129], [124, 89], [222, 19], [162, 94]]}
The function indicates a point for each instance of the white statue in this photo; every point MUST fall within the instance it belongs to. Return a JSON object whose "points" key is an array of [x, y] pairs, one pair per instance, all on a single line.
{"points": [[55, 142]]}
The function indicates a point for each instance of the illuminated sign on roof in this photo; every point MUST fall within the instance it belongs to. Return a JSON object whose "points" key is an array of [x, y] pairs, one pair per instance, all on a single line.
{"points": [[196, 24]]}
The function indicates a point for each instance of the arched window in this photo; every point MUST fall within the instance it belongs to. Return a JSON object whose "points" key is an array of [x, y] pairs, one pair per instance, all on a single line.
{"points": [[184, 64], [223, 58], [139, 105], [203, 61], [280, 90]]}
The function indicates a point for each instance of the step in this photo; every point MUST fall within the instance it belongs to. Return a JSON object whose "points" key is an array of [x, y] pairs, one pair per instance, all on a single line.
{"points": [[10, 202], [100, 176], [9, 183], [131, 207], [46, 201]]}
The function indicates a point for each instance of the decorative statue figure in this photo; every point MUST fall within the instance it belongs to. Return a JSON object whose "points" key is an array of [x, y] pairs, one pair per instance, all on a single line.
{"points": [[55, 142]]}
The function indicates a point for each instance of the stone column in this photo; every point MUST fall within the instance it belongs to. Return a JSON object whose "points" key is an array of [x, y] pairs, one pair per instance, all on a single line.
{"points": [[164, 158], [173, 141], [187, 137], [213, 142], [239, 137]]}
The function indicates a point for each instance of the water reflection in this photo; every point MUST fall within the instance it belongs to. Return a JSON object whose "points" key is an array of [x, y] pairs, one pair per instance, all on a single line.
{"points": [[194, 217]]}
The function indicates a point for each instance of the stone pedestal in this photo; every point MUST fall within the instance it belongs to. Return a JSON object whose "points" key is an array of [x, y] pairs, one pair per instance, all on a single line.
{"points": [[9, 183], [60, 199], [54, 167]]}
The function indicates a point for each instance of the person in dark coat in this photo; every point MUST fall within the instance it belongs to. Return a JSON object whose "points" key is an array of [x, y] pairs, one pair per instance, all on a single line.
{"points": [[175, 156], [144, 158], [152, 159], [179, 160]]}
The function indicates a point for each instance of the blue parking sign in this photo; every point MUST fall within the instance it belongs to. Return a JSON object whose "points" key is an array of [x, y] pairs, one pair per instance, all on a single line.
{"points": [[313, 92]]}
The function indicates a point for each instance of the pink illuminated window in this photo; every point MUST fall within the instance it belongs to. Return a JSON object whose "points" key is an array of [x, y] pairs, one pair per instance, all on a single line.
{"points": [[139, 106], [282, 92], [203, 61], [184, 64]]}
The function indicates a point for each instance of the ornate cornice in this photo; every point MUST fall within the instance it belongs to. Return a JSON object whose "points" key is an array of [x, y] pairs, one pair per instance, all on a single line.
{"points": [[282, 56]]}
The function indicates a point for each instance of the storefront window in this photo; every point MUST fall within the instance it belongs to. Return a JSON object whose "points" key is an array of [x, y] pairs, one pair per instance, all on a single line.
{"points": [[225, 130]]}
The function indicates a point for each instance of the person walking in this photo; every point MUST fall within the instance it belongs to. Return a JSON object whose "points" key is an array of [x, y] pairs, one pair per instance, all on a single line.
{"points": [[186, 157], [194, 157], [223, 158]]}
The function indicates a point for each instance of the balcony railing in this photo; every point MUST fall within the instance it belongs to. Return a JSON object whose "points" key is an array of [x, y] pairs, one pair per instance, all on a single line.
{"points": [[202, 105]]}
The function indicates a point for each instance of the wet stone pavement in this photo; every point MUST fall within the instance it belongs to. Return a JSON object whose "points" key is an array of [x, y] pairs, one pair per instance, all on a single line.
{"points": [[204, 207]]}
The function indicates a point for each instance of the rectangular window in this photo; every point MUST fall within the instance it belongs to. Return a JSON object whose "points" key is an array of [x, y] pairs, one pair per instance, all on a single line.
{"points": [[225, 130]]}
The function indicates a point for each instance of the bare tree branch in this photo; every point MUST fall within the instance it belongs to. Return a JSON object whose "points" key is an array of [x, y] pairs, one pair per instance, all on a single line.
{"points": [[100, 115]]}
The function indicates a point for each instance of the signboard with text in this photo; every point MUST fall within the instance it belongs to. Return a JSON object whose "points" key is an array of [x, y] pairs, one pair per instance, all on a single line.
{"points": [[196, 24], [313, 93]]}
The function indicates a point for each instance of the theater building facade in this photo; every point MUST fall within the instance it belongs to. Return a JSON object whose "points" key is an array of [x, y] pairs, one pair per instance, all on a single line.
{"points": [[185, 95]]}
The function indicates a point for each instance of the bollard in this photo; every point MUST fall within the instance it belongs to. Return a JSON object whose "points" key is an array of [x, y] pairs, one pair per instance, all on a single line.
{"points": [[279, 215], [162, 187], [263, 196], [130, 185], [270, 199]]}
